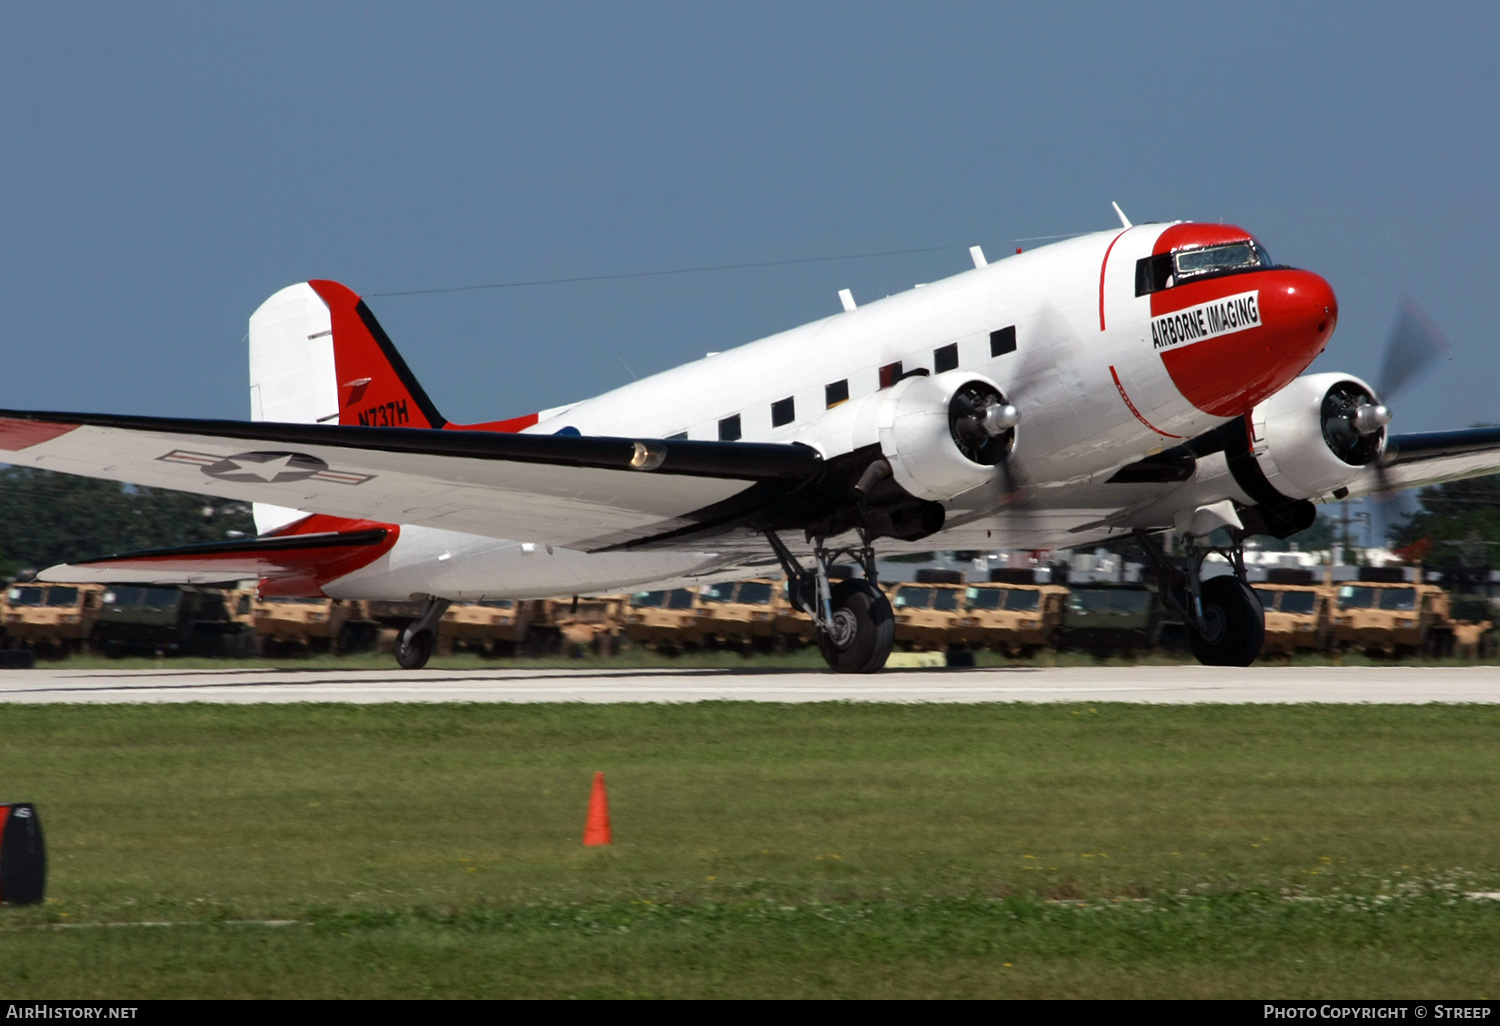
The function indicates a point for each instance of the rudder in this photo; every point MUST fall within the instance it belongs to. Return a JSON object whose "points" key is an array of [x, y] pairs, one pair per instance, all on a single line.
{"points": [[375, 386]]}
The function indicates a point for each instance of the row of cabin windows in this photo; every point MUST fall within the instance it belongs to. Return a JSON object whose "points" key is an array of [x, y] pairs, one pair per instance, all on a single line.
{"points": [[944, 358]]}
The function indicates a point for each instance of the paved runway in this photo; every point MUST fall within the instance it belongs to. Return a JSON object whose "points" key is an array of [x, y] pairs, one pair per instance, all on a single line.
{"points": [[1157, 684]]}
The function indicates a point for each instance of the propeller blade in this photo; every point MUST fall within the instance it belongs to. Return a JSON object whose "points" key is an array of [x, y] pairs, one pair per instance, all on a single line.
{"points": [[1414, 344]]}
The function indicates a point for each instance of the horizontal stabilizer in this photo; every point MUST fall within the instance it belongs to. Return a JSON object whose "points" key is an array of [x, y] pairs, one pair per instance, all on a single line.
{"points": [[307, 558]]}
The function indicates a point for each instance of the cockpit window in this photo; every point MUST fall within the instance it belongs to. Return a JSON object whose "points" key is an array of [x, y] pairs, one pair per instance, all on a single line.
{"points": [[1155, 273], [1235, 256]]}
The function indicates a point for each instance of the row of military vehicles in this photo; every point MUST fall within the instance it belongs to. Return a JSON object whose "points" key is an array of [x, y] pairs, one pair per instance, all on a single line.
{"points": [[116, 620], [1381, 612]]}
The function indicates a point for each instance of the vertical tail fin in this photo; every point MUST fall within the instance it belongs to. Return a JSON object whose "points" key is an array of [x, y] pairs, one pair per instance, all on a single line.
{"points": [[318, 356]]}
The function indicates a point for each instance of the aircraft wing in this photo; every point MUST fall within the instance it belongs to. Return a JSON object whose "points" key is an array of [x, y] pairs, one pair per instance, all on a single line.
{"points": [[578, 492], [1432, 457]]}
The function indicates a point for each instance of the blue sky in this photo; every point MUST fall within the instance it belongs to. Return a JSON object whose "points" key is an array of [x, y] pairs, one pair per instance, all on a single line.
{"points": [[165, 167]]}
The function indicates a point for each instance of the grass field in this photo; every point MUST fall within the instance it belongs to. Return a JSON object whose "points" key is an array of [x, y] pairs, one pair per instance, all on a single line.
{"points": [[850, 850]]}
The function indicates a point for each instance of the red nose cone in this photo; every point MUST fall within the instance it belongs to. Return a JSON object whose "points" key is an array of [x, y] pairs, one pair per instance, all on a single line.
{"points": [[1231, 343]]}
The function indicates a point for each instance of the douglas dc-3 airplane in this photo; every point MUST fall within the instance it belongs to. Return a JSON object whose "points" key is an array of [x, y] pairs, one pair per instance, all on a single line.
{"points": [[1136, 381]]}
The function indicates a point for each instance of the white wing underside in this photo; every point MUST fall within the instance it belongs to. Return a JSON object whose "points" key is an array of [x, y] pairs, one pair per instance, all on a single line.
{"points": [[577, 507]]}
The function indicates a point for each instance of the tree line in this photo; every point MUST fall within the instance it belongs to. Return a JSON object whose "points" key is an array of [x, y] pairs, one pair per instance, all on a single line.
{"points": [[48, 518]]}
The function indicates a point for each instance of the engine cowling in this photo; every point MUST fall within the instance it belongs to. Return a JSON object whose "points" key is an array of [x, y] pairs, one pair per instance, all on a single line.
{"points": [[943, 435], [1318, 433]]}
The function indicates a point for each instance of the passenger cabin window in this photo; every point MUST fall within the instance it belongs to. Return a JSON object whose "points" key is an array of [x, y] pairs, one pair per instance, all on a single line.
{"points": [[1155, 273], [1003, 340], [783, 411], [729, 429], [890, 374], [836, 393], [945, 358]]}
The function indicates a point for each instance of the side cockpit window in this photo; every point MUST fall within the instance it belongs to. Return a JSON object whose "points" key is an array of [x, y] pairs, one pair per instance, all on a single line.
{"points": [[1152, 274], [1163, 271]]}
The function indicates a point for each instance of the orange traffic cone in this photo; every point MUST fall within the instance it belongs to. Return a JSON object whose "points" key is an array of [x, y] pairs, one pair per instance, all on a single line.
{"points": [[596, 829]]}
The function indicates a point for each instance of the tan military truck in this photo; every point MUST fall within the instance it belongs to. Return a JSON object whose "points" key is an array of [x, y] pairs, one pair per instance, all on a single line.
{"points": [[1298, 616], [1015, 619], [1391, 617], [585, 624], [926, 614], [664, 620], [307, 626], [739, 614], [494, 627], [51, 619]]}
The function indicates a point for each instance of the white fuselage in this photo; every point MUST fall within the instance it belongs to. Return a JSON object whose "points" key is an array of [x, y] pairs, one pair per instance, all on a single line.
{"points": [[1083, 344]]}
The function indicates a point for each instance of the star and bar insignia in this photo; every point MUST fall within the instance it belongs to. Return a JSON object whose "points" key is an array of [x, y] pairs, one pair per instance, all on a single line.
{"points": [[269, 467]]}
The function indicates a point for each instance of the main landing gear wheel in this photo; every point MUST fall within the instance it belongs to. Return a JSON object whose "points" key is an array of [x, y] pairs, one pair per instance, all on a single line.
{"points": [[413, 649], [863, 631], [1234, 624]]}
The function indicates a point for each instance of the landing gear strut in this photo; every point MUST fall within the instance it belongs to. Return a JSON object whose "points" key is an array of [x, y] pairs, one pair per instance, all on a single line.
{"points": [[415, 644], [856, 628], [1225, 623]]}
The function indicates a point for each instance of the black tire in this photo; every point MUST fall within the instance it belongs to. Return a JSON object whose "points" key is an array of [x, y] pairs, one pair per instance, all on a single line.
{"points": [[870, 629], [1236, 622], [412, 652]]}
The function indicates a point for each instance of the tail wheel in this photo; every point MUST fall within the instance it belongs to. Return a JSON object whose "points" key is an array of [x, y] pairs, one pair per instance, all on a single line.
{"points": [[864, 629], [413, 649], [1235, 624]]}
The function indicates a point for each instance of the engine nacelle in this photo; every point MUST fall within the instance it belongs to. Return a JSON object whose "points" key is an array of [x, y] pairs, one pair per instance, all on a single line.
{"points": [[1318, 433], [930, 429]]}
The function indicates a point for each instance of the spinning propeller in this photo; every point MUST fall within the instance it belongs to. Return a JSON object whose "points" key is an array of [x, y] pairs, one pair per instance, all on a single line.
{"points": [[1415, 343]]}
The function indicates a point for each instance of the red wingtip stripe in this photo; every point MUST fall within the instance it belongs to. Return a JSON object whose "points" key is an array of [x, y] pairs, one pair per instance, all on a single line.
{"points": [[16, 435]]}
